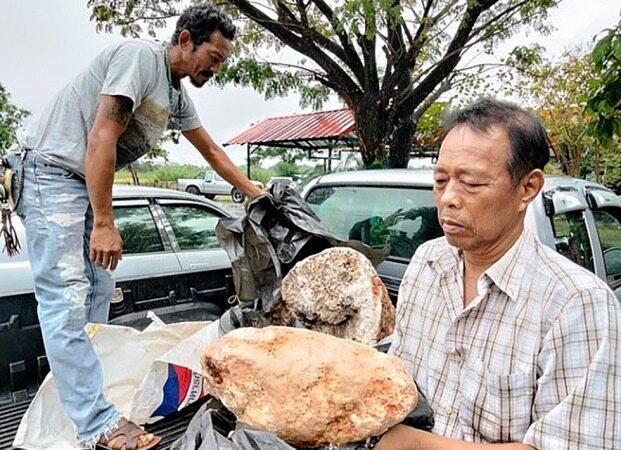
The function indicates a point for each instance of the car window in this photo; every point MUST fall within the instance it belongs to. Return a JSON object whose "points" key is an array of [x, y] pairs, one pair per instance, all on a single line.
{"points": [[208, 177], [218, 178], [609, 232], [194, 226], [138, 229], [572, 239], [400, 217]]}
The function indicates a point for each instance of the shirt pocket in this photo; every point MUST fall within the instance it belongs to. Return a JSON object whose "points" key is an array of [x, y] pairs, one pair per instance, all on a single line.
{"points": [[494, 407]]}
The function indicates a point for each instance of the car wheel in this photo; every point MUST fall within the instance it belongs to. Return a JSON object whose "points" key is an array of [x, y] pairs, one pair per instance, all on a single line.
{"points": [[237, 196], [193, 190], [210, 196]]}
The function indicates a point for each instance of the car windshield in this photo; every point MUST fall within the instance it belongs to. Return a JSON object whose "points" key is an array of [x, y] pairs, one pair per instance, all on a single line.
{"points": [[400, 217]]}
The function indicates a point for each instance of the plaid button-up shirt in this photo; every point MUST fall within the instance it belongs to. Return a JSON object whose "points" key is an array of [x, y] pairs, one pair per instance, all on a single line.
{"points": [[534, 358]]}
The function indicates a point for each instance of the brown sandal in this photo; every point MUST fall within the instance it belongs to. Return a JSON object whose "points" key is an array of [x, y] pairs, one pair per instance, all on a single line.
{"points": [[126, 437]]}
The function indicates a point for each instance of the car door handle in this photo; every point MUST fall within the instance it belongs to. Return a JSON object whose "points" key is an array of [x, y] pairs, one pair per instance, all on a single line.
{"points": [[198, 265]]}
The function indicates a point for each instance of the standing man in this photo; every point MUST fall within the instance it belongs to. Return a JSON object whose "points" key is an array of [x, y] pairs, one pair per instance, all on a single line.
{"points": [[107, 117], [515, 346]]}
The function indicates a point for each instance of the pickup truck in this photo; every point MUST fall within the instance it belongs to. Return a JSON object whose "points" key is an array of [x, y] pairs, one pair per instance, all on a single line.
{"points": [[210, 184], [172, 265], [579, 219]]}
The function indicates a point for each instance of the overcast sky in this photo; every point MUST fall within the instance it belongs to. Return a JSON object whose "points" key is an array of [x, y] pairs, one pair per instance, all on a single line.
{"points": [[45, 43]]}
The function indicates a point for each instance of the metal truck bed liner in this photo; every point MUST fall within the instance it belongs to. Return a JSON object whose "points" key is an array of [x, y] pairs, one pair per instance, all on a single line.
{"points": [[169, 429]]}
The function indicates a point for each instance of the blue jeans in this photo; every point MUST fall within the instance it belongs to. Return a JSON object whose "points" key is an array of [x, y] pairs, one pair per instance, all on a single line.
{"points": [[70, 289]]}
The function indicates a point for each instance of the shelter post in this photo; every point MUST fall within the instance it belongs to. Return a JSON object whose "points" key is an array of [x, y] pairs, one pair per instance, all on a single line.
{"points": [[248, 160], [330, 159]]}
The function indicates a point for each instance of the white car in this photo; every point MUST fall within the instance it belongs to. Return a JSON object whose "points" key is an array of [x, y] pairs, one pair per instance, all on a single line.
{"points": [[579, 219], [210, 184]]}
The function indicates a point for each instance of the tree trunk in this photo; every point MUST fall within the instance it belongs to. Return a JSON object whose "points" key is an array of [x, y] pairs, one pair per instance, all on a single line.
{"points": [[134, 173], [402, 125], [370, 128], [401, 143]]}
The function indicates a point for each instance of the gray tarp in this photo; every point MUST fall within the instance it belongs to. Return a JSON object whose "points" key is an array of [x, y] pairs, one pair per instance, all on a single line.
{"points": [[277, 231], [213, 422]]}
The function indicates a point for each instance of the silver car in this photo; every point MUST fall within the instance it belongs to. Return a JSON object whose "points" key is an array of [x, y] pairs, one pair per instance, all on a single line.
{"points": [[579, 219], [172, 261]]}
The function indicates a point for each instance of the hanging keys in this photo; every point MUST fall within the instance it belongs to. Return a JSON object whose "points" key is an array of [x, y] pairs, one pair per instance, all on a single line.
{"points": [[7, 230], [11, 242]]}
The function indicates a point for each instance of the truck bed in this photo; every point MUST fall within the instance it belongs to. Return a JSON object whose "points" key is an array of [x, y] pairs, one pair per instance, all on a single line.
{"points": [[169, 429], [23, 364]]}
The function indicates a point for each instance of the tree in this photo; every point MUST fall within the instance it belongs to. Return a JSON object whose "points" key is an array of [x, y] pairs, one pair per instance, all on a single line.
{"points": [[604, 97], [388, 60], [428, 136], [556, 91], [10, 118]]}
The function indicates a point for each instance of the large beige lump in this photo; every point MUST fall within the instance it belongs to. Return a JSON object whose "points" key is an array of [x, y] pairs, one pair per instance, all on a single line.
{"points": [[339, 292], [308, 388]]}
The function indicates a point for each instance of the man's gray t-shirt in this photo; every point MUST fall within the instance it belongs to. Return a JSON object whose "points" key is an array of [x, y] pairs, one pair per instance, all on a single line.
{"points": [[135, 69]]}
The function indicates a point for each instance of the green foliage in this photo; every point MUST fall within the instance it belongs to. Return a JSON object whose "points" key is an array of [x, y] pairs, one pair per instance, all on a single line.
{"points": [[428, 136], [272, 82], [129, 15], [290, 156], [166, 175], [158, 151], [258, 173], [556, 91], [377, 164], [10, 118], [158, 174], [610, 167], [523, 57], [309, 174], [286, 169], [604, 96]]}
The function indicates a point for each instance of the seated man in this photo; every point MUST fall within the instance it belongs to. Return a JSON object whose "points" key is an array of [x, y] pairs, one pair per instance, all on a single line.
{"points": [[513, 344]]}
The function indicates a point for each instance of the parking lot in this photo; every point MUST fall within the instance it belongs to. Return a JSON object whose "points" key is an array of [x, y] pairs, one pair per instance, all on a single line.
{"points": [[236, 209]]}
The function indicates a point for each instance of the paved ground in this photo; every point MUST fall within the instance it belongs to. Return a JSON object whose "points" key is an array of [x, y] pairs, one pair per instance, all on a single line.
{"points": [[235, 208]]}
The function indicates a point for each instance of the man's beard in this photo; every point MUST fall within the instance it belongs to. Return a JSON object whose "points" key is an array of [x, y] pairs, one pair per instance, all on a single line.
{"points": [[196, 83]]}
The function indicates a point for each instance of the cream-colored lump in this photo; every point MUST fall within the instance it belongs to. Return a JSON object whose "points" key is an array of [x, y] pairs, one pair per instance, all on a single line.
{"points": [[308, 388], [339, 292]]}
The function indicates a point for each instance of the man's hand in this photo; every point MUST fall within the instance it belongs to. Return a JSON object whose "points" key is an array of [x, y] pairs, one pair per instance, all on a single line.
{"points": [[220, 162], [397, 438], [106, 246], [402, 437]]}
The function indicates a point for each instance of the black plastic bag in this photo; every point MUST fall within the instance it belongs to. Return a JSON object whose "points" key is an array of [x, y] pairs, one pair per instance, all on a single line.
{"points": [[203, 433], [277, 231], [213, 422], [422, 415]]}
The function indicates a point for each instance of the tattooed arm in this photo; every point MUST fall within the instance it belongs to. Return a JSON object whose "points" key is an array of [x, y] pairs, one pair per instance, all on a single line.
{"points": [[113, 114]]}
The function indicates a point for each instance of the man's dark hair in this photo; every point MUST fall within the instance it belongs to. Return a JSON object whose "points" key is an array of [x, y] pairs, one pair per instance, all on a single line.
{"points": [[527, 135], [201, 21]]}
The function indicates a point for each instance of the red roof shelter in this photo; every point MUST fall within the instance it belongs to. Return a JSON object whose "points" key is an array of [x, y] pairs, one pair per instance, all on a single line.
{"points": [[326, 130]]}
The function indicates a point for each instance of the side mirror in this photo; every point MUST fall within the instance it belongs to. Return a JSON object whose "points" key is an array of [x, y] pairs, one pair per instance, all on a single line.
{"points": [[602, 198], [563, 199]]}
